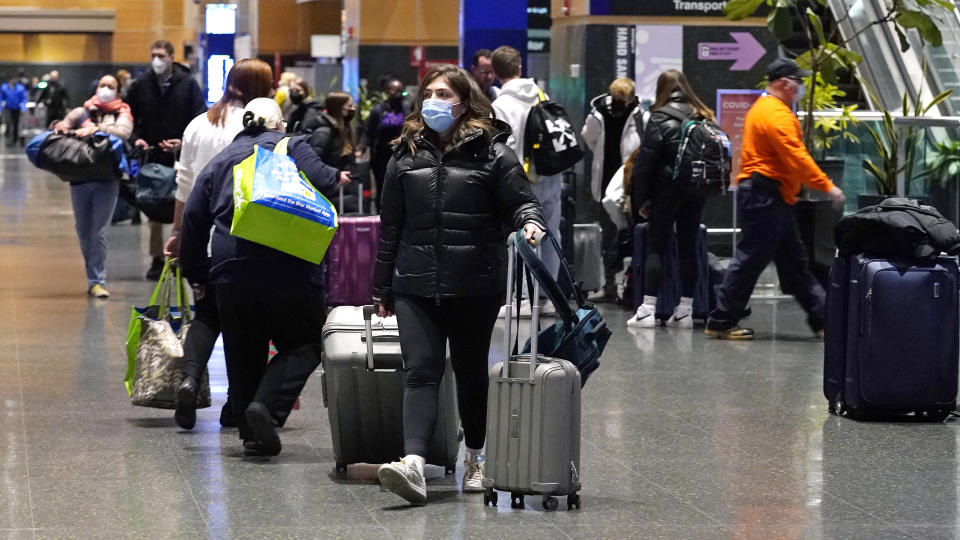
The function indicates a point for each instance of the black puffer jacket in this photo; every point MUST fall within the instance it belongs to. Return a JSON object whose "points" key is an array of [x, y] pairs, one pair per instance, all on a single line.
{"points": [[897, 228], [445, 216], [658, 152], [327, 141]]}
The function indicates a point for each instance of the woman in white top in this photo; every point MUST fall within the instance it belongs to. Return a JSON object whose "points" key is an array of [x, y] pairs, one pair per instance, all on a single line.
{"points": [[204, 138]]}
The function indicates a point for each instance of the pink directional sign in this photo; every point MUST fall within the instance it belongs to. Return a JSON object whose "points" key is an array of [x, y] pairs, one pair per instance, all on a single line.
{"points": [[744, 51]]}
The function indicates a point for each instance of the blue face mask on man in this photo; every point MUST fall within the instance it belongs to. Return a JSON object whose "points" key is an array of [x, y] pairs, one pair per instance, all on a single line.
{"points": [[438, 114]]}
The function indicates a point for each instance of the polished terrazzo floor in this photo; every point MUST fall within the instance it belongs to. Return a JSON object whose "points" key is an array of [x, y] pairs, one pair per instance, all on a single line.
{"points": [[682, 437]]}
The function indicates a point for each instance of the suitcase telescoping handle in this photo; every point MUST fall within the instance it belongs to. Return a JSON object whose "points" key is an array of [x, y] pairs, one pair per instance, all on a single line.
{"points": [[514, 295], [359, 198], [369, 340]]}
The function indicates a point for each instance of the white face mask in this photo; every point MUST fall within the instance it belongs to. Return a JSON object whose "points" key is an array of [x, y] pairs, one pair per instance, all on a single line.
{"points": [[159, 65], [801, 92], [106, 94]]}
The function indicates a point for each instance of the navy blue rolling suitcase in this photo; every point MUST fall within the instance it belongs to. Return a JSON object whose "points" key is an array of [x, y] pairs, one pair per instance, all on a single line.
{"points": [[892, 337], [669, 294]]}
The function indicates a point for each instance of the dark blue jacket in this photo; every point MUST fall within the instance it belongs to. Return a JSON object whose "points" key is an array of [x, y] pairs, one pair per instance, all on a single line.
{"points": [[210, 204]]}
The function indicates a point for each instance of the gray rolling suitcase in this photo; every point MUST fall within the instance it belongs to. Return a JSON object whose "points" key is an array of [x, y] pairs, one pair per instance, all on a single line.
{"points": [[588, 256], [533, 421], [362, 378]]}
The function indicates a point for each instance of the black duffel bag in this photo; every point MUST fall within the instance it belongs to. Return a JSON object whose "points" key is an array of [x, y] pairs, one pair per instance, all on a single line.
{"points": [[75, 159], [156, 185]]}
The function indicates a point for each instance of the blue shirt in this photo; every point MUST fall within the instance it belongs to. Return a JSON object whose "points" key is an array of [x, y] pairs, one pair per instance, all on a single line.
{"points": [[14, 97]]}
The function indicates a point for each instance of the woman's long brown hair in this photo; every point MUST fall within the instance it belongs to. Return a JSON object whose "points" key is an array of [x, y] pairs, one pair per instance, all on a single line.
{"points": [[477, 110], [671, 81], [247, 80], [334, 106]]}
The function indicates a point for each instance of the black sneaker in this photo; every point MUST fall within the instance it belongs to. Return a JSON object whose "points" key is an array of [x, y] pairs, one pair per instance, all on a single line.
{"points": [[727, 330], [263, 428], [186, 412], [156, 268]]}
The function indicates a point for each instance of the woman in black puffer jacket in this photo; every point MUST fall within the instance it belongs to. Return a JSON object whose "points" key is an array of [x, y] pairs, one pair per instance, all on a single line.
{"points": [[450, 188], [655, 196]]}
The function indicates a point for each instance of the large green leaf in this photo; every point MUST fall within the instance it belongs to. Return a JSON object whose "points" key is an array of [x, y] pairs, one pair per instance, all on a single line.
{"points": [[741, 9], [779, 22], [923, 23], [817, 25]]}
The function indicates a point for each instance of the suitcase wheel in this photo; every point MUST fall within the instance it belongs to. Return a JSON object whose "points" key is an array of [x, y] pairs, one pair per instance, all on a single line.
{"points": [[573, 501], [516, 500], [341, 468], [450, 468], [490, 497], [938, 415], [550, 504]]}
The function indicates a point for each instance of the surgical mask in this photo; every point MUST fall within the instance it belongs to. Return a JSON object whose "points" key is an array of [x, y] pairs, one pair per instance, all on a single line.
{"points": [[106, 94], [296, 98], [801, 92], [159, 65], [348, 116], [438, 114]]}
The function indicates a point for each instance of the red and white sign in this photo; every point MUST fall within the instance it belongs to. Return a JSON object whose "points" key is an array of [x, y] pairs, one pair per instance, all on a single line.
{"points": [[732, 107], [417, 56]]}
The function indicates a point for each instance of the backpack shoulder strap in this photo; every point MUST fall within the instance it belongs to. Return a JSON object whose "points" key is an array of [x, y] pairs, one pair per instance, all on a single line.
{"points": [[281, 147]]}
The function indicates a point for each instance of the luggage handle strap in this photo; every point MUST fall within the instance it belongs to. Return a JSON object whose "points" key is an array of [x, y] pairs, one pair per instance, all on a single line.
{"points": [[369, 339]]}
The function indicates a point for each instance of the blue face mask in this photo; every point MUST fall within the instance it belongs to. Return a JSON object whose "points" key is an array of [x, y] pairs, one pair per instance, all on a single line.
{"points": [[438, 114]]}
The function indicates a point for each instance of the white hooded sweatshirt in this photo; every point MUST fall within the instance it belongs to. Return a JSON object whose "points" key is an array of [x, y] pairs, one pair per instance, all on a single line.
{"points": [[513, 107]]}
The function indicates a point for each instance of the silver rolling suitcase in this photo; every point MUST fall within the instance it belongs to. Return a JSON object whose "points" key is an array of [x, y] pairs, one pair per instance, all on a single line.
{"points": [[533, 420], [362, 379], [588, 255]]}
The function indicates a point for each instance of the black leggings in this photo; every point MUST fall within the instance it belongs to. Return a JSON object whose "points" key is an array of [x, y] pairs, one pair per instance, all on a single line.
{"points": [[425, 328], [672, 204]]}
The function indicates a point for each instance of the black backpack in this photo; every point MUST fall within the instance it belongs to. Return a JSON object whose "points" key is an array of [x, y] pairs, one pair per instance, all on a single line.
{"points": [[704, 159], [549, 139]]}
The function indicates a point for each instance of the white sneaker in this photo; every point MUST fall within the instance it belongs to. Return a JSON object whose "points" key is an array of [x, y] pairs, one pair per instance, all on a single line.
{"points": [[472, 476], [547, 308], [525, 310], [680, 319], [404, 479], [643, 318]]}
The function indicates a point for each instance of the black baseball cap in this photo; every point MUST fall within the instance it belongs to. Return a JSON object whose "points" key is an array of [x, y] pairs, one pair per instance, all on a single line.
{"points": [[782, 67]]}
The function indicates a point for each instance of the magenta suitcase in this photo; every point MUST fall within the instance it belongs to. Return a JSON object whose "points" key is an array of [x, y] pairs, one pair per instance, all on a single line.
{"points": [[350, 258]]}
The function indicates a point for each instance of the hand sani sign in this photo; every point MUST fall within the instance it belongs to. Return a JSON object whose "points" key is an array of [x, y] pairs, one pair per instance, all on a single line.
{"points": [[276, 206]]}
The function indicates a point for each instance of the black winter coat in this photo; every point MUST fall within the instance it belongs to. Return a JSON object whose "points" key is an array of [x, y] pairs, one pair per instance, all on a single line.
{"points": [[302, 114], [210, 204], [897, 228], [159, 115], [658, 152], [445, 215], [327, 141]]}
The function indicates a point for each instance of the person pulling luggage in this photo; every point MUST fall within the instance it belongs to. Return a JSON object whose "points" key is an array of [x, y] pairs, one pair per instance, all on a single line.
{"points": [[656, 196], [450, 185], [262, 294]]}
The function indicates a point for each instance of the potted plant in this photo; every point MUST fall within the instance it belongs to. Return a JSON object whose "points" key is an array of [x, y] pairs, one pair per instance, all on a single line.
{"points": [[943, 168], [889, 140], [827, 53]]}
